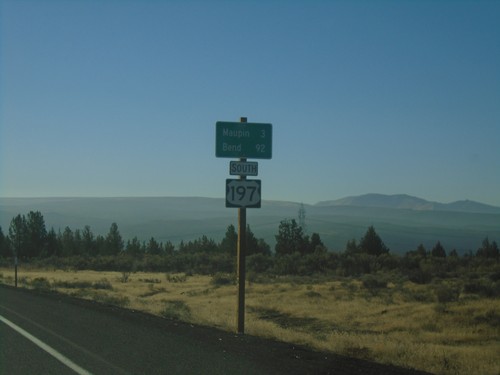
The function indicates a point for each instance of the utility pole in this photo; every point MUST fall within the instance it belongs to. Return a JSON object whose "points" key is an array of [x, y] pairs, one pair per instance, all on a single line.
{"points": [[302, 218]]}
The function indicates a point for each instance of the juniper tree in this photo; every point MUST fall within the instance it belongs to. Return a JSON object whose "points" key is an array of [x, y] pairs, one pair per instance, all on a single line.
{"points": [[372, 244], [114, 242], [17, 235]]}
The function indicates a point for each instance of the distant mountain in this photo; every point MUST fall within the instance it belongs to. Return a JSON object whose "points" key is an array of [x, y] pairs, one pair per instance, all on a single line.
{"points": [[408, 202], [469, 206], [402, 221], [380, 200]]}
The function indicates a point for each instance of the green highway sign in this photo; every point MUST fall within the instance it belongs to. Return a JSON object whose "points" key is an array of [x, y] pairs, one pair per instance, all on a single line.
{"points": [[243, 140]]}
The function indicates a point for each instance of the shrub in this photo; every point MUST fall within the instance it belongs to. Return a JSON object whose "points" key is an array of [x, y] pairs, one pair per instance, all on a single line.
{"points": [[495, 276], [431, 326], [124, 277], [374, 283], [419, 276], [177, 310], [440, 308], [424, 296], [220, 279], [176, 278], [102, 284], [121, 301], [349, 285], [483, 288], [40, 283], [491, 317], [259, 263], [446, 294], [252, 277], [73, 284], [287, 264], [152, 281], [313, 294], [360, 352]]}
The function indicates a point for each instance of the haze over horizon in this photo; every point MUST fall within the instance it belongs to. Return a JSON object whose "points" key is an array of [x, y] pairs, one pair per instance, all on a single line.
{"points": [[120, 99], [349, 199]]}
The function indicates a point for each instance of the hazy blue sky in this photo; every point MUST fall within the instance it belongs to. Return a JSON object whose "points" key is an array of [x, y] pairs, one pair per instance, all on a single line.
{"points": [[120, 98]]}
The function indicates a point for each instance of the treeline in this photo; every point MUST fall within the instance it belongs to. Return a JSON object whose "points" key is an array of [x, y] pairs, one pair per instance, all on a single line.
{"points": [[295, 253]]}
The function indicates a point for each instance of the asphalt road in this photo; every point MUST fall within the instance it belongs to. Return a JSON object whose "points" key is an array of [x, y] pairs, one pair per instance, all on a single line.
{"points": [[48, 334]]}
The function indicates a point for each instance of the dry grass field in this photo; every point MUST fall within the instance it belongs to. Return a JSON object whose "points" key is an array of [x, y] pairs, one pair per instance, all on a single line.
{"points": [[400, 323]]}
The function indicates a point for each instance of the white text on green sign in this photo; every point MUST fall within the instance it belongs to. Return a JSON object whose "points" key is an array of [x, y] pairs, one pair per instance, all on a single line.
{"points": [[243, 140]]}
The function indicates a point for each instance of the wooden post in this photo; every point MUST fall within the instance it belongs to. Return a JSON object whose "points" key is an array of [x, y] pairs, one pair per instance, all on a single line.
{"points": [[15, 271], [242, 248]]}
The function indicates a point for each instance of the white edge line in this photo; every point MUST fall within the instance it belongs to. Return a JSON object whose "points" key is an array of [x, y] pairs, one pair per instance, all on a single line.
{"points": [[54, 353]]}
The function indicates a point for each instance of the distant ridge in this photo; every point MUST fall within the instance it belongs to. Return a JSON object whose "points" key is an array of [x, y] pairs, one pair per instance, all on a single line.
{"points": [[470, 206], [402, 221], [408, 202]]}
